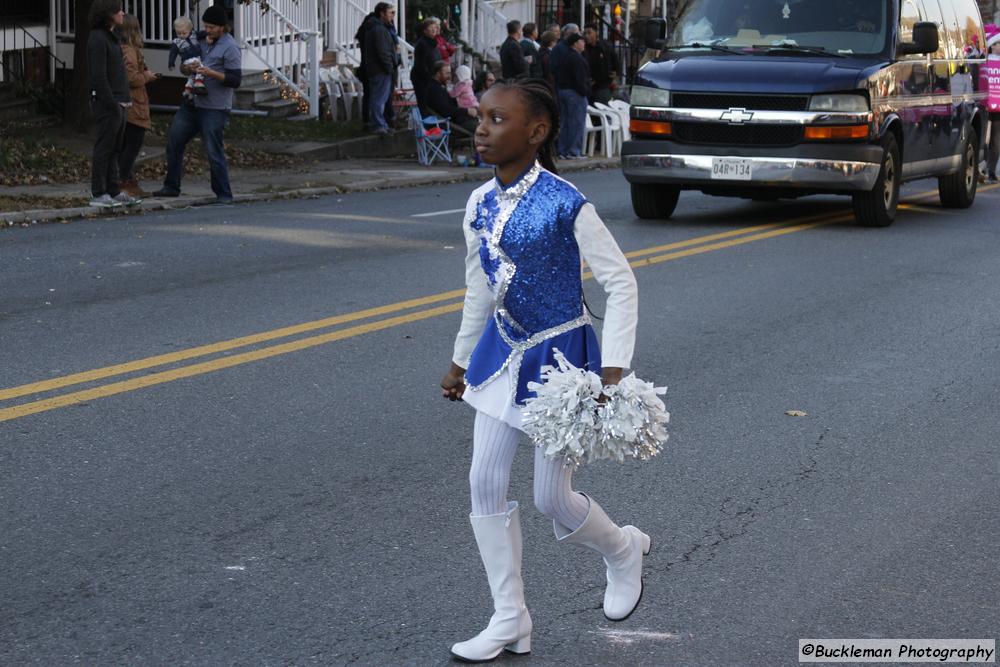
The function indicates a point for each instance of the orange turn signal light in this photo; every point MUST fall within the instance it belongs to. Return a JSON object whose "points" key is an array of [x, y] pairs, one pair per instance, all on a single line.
{"points": [[661, 128], [836, 132]]}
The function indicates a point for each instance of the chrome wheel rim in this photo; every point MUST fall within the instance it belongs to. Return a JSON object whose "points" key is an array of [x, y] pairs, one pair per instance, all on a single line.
{"points": [[890, 181], [970, 168]]}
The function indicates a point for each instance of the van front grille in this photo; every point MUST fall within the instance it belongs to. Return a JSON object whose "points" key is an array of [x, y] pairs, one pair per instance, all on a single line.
{"points": [[738, 101], [720, 134]]}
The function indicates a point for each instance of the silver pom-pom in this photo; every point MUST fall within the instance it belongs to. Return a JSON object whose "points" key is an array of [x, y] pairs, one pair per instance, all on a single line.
{"points": [[633, 421], [562, 417], [567, 418]]}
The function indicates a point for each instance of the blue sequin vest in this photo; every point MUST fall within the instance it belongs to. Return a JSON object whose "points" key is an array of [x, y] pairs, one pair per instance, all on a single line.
{"points": [[529, 253]]}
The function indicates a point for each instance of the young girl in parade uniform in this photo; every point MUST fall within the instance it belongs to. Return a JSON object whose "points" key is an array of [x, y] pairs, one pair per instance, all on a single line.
{"points": [[526, 232]]}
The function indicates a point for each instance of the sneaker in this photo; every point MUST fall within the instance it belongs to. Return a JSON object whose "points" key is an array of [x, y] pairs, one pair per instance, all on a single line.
{"points": [[381, 131], [222, 201], [164, 192], [125, 199], [103, 201], [992, 178]]}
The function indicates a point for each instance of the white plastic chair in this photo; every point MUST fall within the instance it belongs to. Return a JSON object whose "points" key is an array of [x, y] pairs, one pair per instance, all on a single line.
{"points": [[613, 126], [334, 91], [589, 132], [609, 121], [622, 107]]}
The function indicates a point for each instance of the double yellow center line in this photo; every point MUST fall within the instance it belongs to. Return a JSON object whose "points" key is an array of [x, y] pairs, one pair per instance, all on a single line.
{"points": [[423, 308]]}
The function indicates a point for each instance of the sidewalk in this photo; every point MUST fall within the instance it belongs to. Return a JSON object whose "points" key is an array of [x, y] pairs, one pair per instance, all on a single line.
{"points": [[314, 179]]}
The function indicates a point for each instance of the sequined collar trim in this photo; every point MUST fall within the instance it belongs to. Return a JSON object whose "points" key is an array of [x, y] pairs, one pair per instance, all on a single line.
{"points": [[520, 186]]}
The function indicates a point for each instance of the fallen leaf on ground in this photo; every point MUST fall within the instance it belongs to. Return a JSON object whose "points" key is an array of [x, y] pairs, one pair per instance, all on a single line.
{"points": [[796, 413]]}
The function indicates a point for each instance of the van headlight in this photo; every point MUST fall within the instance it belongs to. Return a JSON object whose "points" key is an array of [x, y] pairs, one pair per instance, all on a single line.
{"points": [[846, 103], [643, 96]]}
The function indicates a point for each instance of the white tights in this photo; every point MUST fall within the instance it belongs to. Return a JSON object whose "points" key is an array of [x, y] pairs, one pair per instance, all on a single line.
{"points": [[494, 446]]}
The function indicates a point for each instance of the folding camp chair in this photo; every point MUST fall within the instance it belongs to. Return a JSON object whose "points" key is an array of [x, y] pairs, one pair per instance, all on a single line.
{"points": [[432, 134]]}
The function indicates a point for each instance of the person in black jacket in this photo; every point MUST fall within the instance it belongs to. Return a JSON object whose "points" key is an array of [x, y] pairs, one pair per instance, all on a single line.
{"points": [[603, 63], [370, 21], [512, 62], [109, 100], [529, 49], [425, 55], [548, 40], [573, 85], [379, 55], [440, 103]]}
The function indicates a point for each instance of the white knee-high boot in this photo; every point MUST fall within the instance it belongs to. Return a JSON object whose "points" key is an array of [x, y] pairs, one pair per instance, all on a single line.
{"points": [[622, 549], [499, 540]]}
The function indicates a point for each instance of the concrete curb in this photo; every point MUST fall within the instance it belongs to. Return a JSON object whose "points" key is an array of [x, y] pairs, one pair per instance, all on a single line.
{"points": [[12, 218]]}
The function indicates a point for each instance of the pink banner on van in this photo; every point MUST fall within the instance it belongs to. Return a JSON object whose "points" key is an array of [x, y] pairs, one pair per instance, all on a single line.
{"points": [[989, 79]]}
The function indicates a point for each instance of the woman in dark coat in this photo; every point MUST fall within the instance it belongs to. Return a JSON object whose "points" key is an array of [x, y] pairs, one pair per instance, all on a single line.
{"points": [[425, 54]]}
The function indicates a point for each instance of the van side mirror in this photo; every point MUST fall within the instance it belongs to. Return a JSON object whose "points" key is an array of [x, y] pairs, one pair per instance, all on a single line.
{"points": [[655, 33], [925, 40]]}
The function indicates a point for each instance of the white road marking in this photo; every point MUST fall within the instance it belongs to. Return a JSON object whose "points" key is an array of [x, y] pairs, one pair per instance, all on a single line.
{"points": [[632, 636], [235, 567], [434, 213]]}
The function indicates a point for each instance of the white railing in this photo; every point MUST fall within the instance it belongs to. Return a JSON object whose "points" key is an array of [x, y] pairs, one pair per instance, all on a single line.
{"points": [[156, 17], [339, 20], [489, 29], [288, 49]]}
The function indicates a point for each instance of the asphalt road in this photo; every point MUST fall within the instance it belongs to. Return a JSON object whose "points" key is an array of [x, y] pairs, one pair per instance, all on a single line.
{"points": [[237, 461]]}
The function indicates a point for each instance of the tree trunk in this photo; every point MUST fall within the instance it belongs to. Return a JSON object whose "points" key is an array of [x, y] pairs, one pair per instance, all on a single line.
{"points": [[78, 114]]}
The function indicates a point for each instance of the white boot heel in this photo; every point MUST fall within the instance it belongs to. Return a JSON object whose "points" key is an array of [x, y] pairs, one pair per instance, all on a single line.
{"points": [[522, 645], [499, 540], [647, 544]]}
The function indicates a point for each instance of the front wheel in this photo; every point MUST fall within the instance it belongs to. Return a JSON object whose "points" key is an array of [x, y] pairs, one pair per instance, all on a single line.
{"points": [[958, 190], [654, 202], [877, 207]]}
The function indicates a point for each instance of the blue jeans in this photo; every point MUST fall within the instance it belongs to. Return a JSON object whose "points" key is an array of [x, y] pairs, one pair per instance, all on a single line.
{"points": [[379, 87], [573, 111], [188, 122]]}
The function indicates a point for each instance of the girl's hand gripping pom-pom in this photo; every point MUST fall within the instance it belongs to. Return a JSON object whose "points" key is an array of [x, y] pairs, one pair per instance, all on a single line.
{"points": [[574, 416], [633, 421], [453, 383]]}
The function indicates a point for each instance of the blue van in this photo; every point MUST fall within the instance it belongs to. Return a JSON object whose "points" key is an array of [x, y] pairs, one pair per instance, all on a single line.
{"points": [[769, 99]]}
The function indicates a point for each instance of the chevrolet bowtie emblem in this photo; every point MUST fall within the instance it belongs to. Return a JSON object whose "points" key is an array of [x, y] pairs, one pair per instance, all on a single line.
{"points": [[736, 116]]}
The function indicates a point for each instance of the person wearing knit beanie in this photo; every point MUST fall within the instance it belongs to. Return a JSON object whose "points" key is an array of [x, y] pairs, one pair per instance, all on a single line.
{"points": [[215, 15]]}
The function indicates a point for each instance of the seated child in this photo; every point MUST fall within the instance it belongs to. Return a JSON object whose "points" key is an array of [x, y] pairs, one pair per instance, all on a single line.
{"points": [[185, 45], [462, 91]]}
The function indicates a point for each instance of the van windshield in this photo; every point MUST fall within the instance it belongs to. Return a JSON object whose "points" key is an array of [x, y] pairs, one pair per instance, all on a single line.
{"points": [[838, 26]]}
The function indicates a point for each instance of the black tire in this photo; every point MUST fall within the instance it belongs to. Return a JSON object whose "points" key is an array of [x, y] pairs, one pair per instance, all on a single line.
{"points": [[958, 190], [877, 207], [654, 202]]}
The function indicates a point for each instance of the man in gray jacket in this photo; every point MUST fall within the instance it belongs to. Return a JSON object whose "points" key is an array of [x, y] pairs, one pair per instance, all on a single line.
{"points": [[207, 115]]}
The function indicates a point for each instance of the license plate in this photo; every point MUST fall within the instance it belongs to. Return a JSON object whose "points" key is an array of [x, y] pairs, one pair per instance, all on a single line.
{"points": [[732, 169]]}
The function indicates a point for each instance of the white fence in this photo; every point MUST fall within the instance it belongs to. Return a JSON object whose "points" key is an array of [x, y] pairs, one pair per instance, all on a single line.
{"points": [[339, 20], [155, 16]]}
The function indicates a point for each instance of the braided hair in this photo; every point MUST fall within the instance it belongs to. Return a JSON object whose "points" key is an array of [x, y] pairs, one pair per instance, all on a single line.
{"points": [[538, 96]]}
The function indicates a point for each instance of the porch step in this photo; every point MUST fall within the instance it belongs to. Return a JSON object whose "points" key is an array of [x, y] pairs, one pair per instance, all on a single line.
{"points": [[16, 109], [251, 79], [278, 108], [249, 96]]}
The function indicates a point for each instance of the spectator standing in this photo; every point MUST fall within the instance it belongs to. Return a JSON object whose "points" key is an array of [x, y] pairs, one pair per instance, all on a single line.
{"points": [[512, 62], [554, 27], [529, 49], [373, 21], [137, 118], [603, 63], [380, 66], [562, 48], [440, 103], [573, 86], [483, 81], [109, 100], [425, 54], [208, 114], [547, 41], [993, 148], [462, 90], [445, 48], [362, 68]]}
